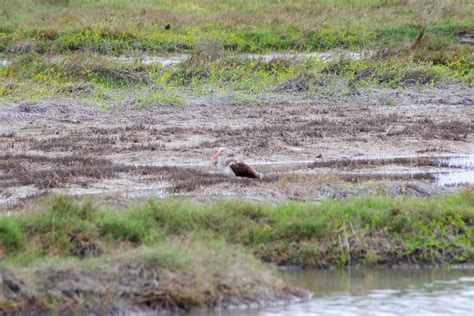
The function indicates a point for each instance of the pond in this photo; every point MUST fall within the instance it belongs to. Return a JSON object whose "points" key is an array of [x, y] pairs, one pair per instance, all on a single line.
{"points": [[378, 291]]}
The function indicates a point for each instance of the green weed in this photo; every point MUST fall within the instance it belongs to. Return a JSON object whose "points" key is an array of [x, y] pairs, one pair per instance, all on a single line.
{"points": [[11, 236], [389, 102], [159, 98]]}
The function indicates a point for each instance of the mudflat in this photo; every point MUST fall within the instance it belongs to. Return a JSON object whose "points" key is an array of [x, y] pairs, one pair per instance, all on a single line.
{"points": [[308, 149]]}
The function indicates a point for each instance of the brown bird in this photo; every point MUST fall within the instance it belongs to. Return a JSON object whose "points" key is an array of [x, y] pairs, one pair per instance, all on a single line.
{"points": [[232, 167]]}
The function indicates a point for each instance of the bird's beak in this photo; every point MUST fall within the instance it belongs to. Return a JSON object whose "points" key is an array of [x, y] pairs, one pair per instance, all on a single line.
{"points": [[216, 155], [214, 158]]}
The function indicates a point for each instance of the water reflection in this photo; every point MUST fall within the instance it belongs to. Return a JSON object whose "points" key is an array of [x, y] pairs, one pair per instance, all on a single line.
{"points": [[455, 178], [465, 162], [383, 291], [458, 177], [403, 291]]}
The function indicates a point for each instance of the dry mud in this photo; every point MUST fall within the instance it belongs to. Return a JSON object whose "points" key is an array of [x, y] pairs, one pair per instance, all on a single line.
{"points": [[308, 149]]}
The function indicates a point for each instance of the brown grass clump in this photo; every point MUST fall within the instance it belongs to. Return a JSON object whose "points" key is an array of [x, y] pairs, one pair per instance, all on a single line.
{"points": [[174, 276], [51, 172]]}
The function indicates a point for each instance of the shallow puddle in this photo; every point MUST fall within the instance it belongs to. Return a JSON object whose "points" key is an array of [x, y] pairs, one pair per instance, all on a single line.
{"points": [[168, 60], [5, 62], [322, 56], [465, 176], [139, 194], [171, 60], [443, 171], [455, 178], [175, 59], [465, 162]]}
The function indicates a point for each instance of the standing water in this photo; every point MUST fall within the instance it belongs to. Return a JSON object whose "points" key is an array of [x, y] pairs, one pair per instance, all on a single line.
{"points": [[465, 174], [381, 291]]}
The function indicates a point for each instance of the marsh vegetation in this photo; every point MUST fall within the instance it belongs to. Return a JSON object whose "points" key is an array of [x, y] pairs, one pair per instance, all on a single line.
{"points": [[353, 110], [64, 48], [177, 254]]}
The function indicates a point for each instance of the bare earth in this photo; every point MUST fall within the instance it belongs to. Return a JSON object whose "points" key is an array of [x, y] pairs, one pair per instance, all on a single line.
{"points": [[307, 149]]}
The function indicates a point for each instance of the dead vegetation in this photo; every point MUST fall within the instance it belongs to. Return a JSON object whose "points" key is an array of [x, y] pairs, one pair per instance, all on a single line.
{"points": [[297, 84], [63, 144], [432, 161], [52, 172], [150, 279]]}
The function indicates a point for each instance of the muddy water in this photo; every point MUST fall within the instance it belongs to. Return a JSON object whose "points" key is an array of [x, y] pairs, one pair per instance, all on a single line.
{"points": [[381, 291]]}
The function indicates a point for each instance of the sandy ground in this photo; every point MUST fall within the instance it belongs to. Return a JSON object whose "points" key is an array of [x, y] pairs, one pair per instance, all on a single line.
{"points": [[304, 147]]}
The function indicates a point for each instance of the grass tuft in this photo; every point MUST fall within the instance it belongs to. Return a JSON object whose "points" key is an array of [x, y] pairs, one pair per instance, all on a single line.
{"points": [[11, 236]]}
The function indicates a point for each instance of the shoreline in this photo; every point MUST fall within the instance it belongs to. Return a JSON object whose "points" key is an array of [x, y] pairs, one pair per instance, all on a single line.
{"points": [[170, 254]]}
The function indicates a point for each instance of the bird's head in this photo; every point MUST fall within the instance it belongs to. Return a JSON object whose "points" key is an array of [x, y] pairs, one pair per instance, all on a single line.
{"points": [[220, 152]]}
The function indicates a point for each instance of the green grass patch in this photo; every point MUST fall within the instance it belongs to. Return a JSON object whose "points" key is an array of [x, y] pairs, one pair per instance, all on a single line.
{"points": [[54, 44], [236, 26], [11, 236], [159, 98], [102, 80], [359, 230]]}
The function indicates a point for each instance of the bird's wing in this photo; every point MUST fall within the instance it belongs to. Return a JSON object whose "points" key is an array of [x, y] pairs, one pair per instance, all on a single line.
{"points": [[241, 169], [230, 160]]}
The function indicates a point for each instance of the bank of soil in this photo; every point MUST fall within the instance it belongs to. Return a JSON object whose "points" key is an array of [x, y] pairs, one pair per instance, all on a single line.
{"points": [[177, 255], [68, 147], [145, 281]]}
